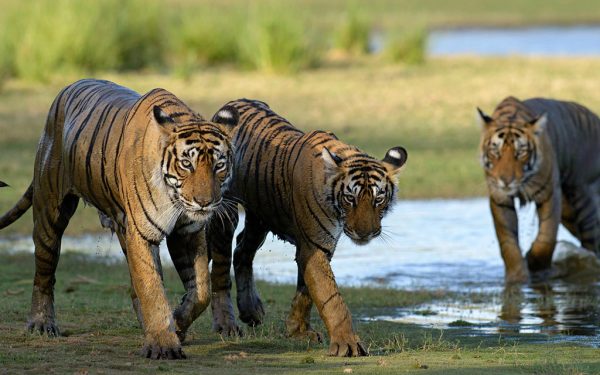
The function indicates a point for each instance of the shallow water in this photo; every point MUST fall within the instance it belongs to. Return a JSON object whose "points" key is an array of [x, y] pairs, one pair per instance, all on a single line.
{"points": [[534, 41], [445, 245]]}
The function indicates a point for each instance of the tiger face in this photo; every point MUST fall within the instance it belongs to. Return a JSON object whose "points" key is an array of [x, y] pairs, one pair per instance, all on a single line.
{"points": [[510, 153], [363, 190], [196, 164]]}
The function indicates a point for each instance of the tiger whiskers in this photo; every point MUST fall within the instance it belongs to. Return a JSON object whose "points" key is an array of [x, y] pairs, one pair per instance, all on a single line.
{"points": [[385, 237], [223, 209]]}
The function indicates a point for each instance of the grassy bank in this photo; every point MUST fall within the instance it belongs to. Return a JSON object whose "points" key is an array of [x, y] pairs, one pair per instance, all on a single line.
{"points": [[101, 334], [430, 110]]}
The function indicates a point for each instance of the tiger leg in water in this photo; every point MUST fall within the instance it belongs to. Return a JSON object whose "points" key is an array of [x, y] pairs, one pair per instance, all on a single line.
{"points": [[507, 230], [539, 257]]}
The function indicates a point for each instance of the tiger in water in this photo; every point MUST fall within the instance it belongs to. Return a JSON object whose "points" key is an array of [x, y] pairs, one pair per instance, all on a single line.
{"points": [[307, 189], [546, 152], [153, 168]]}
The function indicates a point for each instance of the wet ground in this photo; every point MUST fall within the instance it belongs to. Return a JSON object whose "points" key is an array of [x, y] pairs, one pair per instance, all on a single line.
{"points": [[441, 245]]}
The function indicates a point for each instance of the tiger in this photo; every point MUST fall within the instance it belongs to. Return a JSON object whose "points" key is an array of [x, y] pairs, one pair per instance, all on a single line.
{"points": [[547, 152], [153, 168], [307, 189]]}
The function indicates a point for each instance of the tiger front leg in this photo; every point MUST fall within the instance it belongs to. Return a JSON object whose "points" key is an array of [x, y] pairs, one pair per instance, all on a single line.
{"points": [[160, 339], [249, 241], [539, 257], [187, 247], [506, 224], [298, 320], [219, 237], [320, 281]]}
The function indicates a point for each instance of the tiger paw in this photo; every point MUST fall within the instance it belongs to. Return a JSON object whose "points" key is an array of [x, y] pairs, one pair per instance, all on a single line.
{"points": [[166, 347], [302, 330], [312, 335], [347, 346], [251, 308], [43, 326], [537, 263]]}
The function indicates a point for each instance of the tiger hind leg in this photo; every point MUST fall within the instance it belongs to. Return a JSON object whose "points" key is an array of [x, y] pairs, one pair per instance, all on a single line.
{"points": [[219, 238], [249, 241], [568, 217], [586, 214], [51, 217], [298, 320]]}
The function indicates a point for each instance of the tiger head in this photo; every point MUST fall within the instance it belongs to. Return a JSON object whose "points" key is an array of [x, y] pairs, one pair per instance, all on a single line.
{"points": [[197, 160], [510, 150], [362, 190]]}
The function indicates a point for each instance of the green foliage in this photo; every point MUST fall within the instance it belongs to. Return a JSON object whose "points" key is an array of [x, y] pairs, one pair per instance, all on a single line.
{"points": [[275, 42], [204, 37], [353, 33], [409, 48], [63, 36]]}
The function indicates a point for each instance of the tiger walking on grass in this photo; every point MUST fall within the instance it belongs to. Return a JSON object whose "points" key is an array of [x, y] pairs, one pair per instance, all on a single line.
{"points": [[307, 189], [546, 152], [153, 168]]}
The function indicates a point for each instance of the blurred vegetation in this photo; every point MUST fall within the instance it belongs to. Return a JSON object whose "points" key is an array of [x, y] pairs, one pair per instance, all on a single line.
{"points": [[408, 48], [44, 38], [51, 37], [354, 33]]}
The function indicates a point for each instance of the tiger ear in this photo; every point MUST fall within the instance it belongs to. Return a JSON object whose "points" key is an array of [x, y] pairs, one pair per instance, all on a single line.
{"points": [[332, 161], [483, 119], [165, 122], [395, 158], [228, 117], [539, 124]]}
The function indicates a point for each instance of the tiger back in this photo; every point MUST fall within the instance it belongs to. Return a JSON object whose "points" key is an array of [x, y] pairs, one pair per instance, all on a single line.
{"points": [[307, 189], [547, 152], [153, 168]]}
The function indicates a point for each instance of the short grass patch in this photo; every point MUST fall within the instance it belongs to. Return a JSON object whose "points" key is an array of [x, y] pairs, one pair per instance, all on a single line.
{"points": [[101, 334]]}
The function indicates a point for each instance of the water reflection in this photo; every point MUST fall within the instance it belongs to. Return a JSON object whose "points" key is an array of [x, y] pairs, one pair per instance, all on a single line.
{"points": [[559, 308]]}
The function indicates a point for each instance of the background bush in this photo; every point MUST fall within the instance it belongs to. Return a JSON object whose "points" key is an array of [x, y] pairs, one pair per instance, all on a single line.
{"points": [[39, 39]]}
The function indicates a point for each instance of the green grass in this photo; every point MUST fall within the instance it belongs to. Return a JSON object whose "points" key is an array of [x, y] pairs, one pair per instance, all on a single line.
{"points": [[101, 333]]}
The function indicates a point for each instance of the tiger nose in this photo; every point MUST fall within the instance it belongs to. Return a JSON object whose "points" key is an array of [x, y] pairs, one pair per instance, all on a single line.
{"points": [[203, 201], [506, 180]]}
